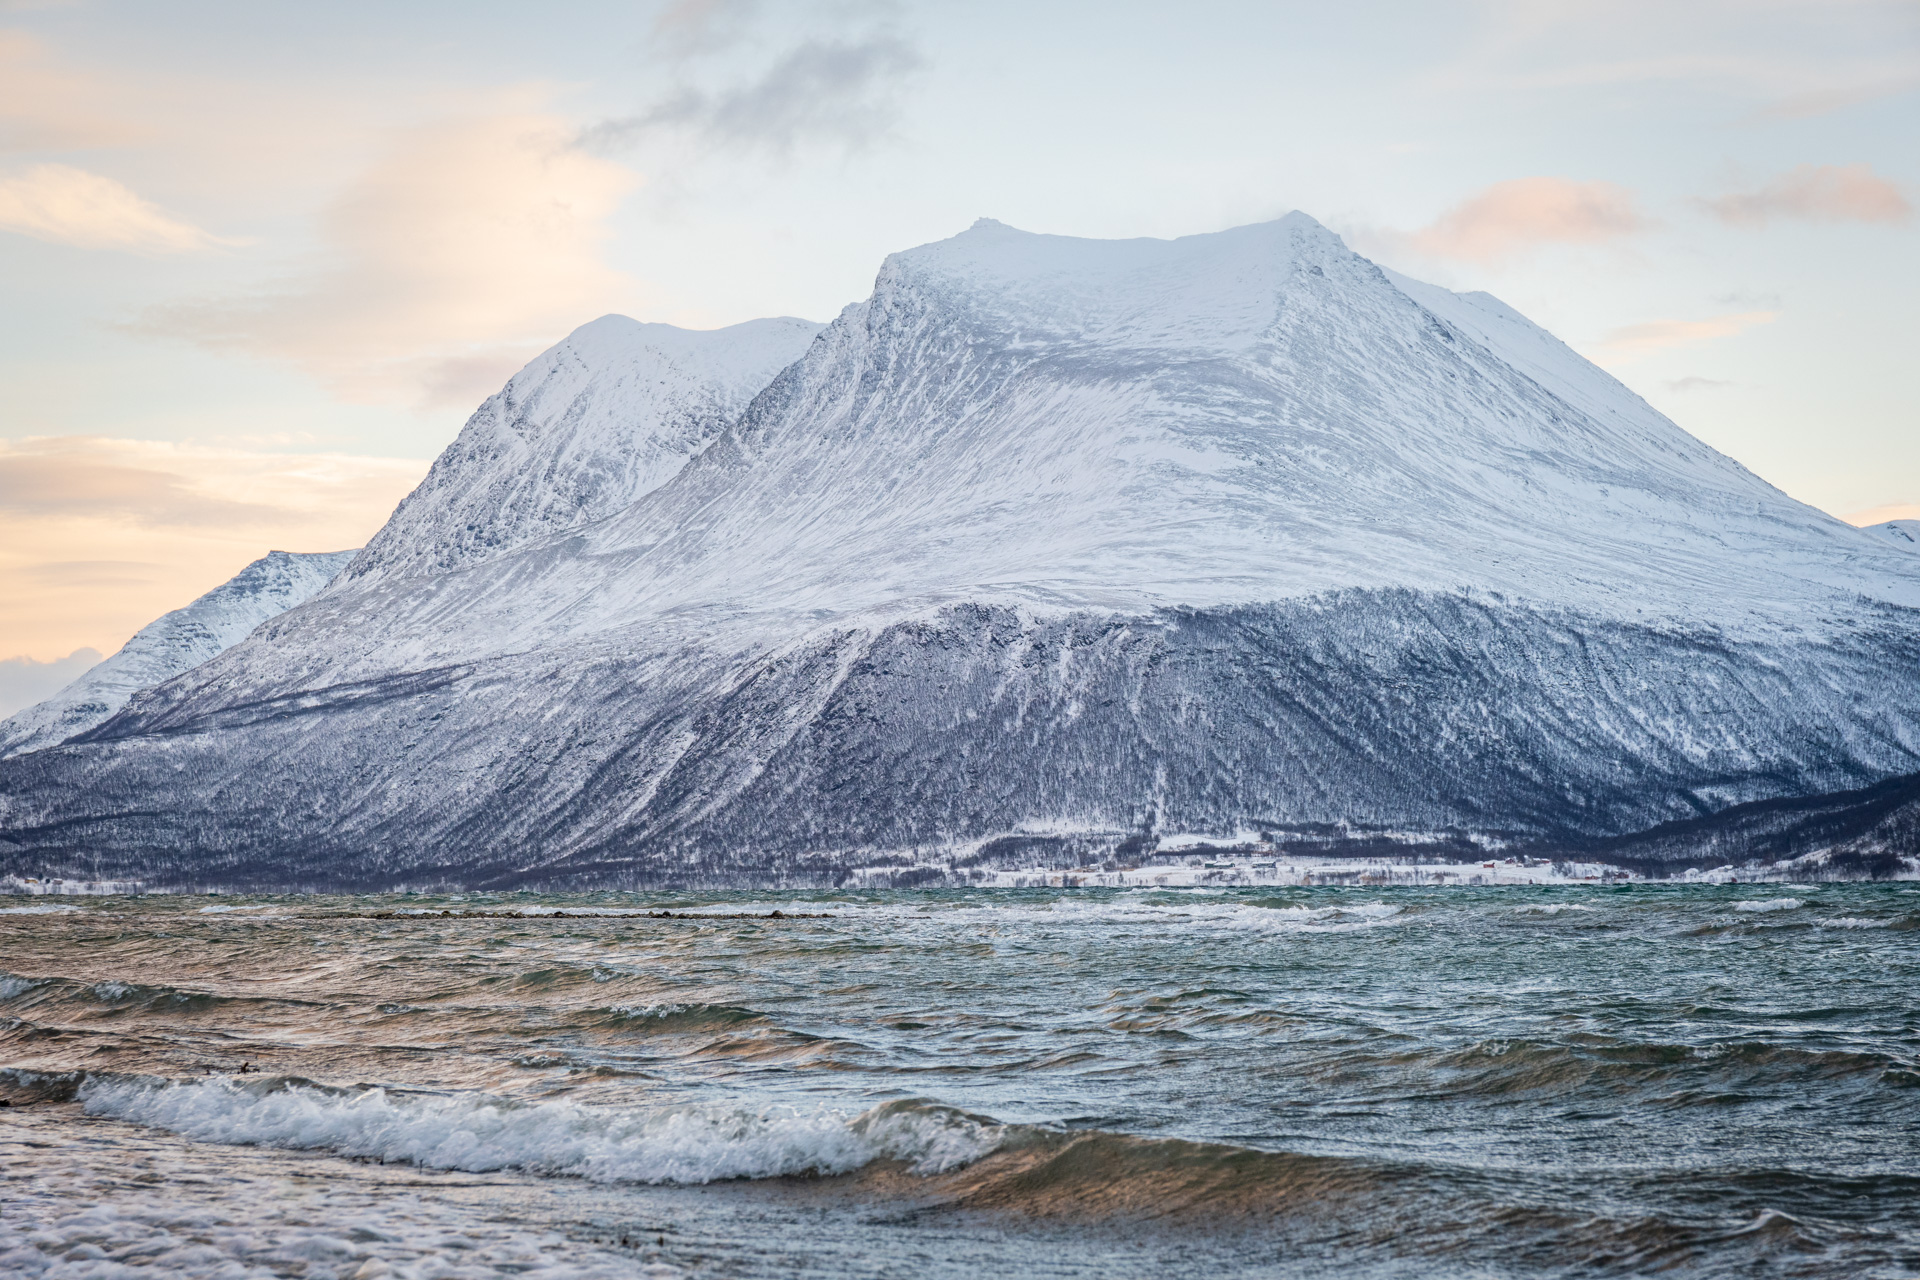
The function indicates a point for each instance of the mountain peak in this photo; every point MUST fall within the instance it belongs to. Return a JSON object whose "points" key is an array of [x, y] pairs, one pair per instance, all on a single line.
{"points": [[605, 416]]}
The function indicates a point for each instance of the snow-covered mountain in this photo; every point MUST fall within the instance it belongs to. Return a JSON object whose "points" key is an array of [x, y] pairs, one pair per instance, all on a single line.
{"points": [[559, 446], [1905, 533], [1049, 546], [175, 642]]}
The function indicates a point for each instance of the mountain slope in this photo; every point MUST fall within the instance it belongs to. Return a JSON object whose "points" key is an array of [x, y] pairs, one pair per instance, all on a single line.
{"points": [[174, 643], [610, 413], [1074, 539], [1904, 533]]}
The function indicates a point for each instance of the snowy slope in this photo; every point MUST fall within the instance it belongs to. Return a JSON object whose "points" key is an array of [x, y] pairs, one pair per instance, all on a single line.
{"points": [[1048, 536], [176, 642], [610, 413], [1905, 534], [1249, 416]]}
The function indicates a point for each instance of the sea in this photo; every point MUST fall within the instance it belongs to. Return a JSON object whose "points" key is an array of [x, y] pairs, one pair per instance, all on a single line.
{"points": [[1576, 1080]]}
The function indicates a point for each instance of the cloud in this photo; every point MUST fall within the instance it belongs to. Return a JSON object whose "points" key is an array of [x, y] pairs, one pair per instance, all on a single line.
{"points": [[1788, 58], [106, 479], [1525, 213], [47, 106], [837, 91], [98, 537], [24, 681], [1880, 515], [1697, 384], [690, 28], [1816, 193], [1821, 101], [64, 205], [1637, 340], [468, 247]]}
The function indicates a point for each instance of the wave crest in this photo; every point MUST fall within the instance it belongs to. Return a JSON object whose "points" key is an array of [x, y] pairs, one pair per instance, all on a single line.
{"points": [[477, 1133]]}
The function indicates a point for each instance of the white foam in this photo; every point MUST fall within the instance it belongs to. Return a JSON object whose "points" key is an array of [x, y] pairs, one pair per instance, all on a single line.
{"points": [[478, 1133], [12, 985], [1855, 922], [75, 1215], [1771, 904], [209, 911], [1190, 913], [1552, 908], [48, 909]]}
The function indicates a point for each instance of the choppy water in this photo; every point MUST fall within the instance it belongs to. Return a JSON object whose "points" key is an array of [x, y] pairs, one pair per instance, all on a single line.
{"points": [[1352, 1082]]}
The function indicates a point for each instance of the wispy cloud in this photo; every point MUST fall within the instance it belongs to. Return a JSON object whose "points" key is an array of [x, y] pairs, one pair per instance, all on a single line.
{"points": [[1635, 340], [691, 28], [150, 484], [1816, 193], [1697, 384], [834, 91], [1880, 515], [835, 76], [1788, 58], [64, 205], [1513, 217], [466, 248], [45, 104], [99, 536]]}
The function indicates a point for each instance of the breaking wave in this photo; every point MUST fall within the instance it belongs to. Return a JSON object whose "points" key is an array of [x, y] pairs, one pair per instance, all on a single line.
{"points": [[478, 1133]]}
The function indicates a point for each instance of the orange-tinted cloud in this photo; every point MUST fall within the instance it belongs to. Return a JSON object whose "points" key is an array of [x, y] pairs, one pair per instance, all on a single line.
{"points": [[1880, 515], [1512, 217], [64, 205], [1636, 340], [466, 249], [99, 537], [45, 105], [1817, 193]]}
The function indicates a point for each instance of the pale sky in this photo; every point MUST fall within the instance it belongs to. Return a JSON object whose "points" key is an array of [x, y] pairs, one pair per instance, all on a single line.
{"points": [[261, 259]]}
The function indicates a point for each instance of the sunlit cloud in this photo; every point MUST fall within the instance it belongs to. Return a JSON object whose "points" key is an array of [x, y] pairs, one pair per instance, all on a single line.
{"points": [[1635, 340], [1698, 384], [64, 205], [1880, 515], [467, 248], [1513, 217], [1816, 193], [46, 105], [98, 536]]}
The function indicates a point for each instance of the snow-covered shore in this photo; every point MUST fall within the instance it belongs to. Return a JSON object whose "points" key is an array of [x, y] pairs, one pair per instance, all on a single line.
{"points": [[1226, 871]]}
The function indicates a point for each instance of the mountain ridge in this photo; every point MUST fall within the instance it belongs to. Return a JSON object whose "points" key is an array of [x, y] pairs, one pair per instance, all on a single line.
{"points": [[172, 644], [1053, 535]]}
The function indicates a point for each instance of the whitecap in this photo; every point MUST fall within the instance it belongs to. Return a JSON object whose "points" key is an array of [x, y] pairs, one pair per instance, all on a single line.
{"points": [[1854, 922], [1771, 904], [45, 909], [209, 911], [477, 1133]]}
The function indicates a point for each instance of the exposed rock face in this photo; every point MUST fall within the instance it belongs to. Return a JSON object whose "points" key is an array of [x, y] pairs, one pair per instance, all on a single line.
{"points": [[1048, 538]]}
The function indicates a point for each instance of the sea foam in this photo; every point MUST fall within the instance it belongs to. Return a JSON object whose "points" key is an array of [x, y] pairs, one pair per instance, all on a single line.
{"points": [[478, 1133]]}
